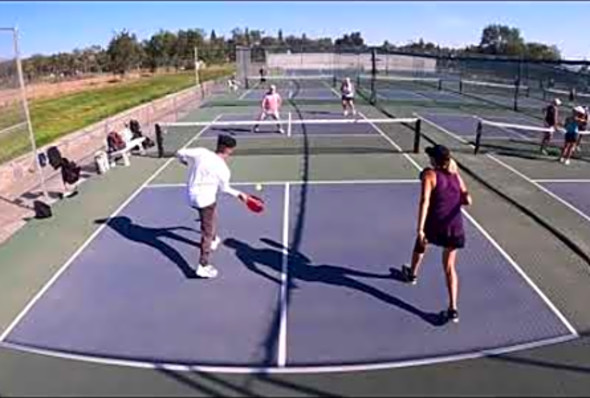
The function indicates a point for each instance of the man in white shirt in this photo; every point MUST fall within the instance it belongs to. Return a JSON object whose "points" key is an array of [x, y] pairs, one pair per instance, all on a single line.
{"points": [[208, 173]]}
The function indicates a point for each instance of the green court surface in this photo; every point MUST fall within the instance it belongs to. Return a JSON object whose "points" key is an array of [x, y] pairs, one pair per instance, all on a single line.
{"points": [[542, 235]]}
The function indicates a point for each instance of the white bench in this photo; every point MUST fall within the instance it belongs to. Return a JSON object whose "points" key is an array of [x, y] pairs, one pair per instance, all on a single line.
{"points": [[130, 145]]}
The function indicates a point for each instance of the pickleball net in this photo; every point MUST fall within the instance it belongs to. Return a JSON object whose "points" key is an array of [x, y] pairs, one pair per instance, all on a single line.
{"points": [[492, 136], [399, 83], [333, 135], [477, 87]]}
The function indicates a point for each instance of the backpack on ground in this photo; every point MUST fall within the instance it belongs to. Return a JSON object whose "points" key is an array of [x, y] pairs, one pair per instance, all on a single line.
{"points": [[135, 129], [70, 171], [115, 142], [54, 156]]}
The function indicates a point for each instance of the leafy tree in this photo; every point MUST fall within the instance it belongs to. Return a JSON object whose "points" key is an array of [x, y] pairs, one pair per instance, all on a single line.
{"points": [[501, 40], [124, 52]]}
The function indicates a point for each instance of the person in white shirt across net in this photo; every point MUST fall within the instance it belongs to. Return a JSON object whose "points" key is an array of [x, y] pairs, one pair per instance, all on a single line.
{"points": [[233, 84], [208, 172], [347, 91]]}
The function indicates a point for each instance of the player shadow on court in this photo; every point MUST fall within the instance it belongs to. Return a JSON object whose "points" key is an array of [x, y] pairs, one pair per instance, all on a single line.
{"points": [[154, 237], [301, 268]]}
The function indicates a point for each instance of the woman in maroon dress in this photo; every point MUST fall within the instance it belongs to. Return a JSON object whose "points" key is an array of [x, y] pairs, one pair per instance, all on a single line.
{"points": [[440, 221]]}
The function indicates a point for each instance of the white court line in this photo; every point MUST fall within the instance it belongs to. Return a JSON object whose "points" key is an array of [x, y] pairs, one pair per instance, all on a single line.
{"points": [[523, 275], [510, 260], [332, 89], [293, 182], [67, 264], [317, 369], [282, 346], [295, 369], [392, 142], [241, 97], [447, 132], [542, 181], [541, 187]]}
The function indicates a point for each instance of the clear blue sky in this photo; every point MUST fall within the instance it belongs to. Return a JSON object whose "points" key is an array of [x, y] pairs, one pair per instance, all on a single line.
{"points": [[48, 27]]}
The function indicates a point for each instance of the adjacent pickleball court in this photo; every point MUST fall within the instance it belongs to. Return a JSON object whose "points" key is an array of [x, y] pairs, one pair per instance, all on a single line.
{"points": [[574, 193], [312, 282]]}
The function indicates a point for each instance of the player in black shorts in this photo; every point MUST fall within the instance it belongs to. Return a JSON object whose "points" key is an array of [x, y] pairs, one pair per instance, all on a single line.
{"points": [[347, 91], [551, 119], [262, 75]]}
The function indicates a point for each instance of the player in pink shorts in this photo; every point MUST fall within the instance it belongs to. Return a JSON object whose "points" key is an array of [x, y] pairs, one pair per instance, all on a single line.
{"points": [[271, 104]]}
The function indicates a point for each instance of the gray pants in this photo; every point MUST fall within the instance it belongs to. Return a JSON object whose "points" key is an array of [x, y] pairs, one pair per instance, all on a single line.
{"points": [[208, 217]]}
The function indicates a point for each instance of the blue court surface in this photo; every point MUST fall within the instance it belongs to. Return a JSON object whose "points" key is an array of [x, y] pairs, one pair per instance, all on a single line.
{"points": [[310, 129], [576, 193], [465, 126], [334, 298]]}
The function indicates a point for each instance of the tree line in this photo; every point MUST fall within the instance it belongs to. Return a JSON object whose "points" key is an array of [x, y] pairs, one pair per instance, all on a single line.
{"points": [[169, 50]]}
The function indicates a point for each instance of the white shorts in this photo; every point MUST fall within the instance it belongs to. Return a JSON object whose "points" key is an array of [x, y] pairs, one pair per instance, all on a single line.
{"points": [[266, 114]]}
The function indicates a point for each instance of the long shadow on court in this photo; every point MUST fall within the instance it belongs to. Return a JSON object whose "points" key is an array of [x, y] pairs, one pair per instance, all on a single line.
{"points": [[301, 268], [154, 237]]}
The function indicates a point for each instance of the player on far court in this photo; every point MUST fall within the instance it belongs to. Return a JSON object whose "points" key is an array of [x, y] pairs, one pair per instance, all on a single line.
{"points": [[440, 220], [347, 91], [233, 84], [572, 131], [271, 104], [582, 127], [207, 174], [551, 120], [262, 73]]}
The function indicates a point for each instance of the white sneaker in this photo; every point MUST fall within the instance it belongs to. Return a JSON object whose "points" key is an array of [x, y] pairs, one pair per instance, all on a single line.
{"points": [[567, 162], [561, 160], [206, 271], [345, 113], [281, 131], [215, 243]]}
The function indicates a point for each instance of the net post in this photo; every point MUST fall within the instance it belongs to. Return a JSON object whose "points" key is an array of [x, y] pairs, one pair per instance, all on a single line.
{"points": [[373, 98], [417, 135], [478, 137], [289, 125], [159, 140], [440, 84], [461, 85], [516, 90]]}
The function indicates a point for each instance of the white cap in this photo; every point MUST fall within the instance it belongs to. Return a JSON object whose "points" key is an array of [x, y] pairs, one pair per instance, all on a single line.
{"points": [[557, 101], [579, 109]]}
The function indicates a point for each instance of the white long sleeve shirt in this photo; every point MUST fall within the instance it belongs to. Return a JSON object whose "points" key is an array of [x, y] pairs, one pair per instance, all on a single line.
{"points": [[208, 172]]}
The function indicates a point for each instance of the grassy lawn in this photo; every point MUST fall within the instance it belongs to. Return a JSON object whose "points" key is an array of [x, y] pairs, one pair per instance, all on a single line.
{"points": [[56, 117]]}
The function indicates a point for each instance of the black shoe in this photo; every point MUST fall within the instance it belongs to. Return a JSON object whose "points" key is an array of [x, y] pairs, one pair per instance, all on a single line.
{"points": [[408, 275], [452, 316]]}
